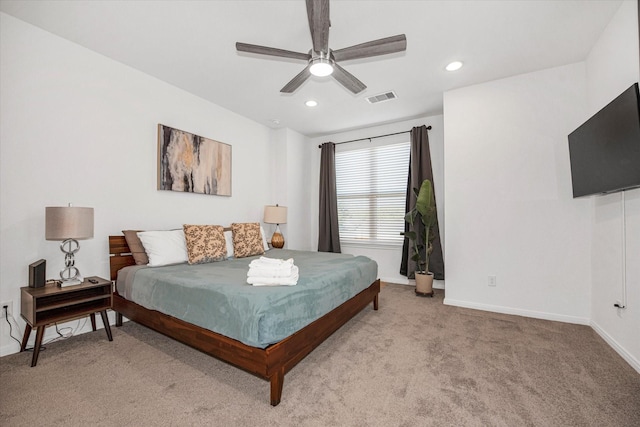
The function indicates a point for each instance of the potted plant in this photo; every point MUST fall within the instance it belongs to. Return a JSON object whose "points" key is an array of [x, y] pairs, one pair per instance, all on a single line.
{"points": [[422, 221]]}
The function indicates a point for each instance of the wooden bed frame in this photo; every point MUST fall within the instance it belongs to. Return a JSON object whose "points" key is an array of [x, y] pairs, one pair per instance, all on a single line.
{"points": [[269, 363]]}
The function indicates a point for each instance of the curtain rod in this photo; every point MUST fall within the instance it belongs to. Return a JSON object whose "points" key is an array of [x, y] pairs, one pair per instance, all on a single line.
{"points": [[372, 137]]}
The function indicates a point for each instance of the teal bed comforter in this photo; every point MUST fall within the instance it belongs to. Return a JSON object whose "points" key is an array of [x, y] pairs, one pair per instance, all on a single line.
{"points": [[217, 297]]}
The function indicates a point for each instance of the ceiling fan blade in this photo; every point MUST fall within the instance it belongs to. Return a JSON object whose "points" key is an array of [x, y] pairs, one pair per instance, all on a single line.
{"points": [[271, 51], [347, 79], [297, 81], [373, 48], [318, 14]]}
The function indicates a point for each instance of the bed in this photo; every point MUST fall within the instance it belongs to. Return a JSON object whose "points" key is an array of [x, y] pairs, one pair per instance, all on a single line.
{"points": [[261, 353]]}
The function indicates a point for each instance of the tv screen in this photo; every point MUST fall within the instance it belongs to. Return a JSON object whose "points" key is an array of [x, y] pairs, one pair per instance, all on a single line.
{"points": [[605, 150]]}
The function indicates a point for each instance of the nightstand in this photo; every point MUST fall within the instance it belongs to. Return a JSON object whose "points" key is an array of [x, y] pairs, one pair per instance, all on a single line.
{"points": [[41, 307]]}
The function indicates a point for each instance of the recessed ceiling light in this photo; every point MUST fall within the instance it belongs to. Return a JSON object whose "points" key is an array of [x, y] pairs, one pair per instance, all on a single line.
{"points": [[453, 66], [311, 103]]}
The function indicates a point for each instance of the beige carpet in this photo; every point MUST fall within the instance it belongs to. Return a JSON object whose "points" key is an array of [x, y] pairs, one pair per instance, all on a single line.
{"points": [[414, 362]]}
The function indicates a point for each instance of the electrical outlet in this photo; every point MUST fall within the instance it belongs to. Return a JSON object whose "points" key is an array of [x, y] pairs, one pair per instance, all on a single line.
{"points": [[492, 281], [9, 305]]}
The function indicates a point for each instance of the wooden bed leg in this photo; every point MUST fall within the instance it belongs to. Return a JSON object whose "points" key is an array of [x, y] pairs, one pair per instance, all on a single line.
{"points": [[276, 381], [118, 319], [375, 302]]}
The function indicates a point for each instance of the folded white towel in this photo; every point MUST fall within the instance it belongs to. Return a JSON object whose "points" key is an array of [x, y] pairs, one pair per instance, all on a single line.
{"points": [[290, 280], [283, 271], [272, 282], [270, 262]]}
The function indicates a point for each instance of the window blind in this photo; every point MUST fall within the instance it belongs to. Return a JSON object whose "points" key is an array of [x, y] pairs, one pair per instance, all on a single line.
{"points": [[371, 185]]}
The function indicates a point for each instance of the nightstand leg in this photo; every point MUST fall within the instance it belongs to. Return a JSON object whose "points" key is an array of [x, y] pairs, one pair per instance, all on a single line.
{"points": [[105, 321], [25, 337], [93, 321], [36, 346]]}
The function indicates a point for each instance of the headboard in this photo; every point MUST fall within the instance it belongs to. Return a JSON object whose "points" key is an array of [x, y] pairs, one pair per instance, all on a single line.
{"points": [[119, 255]]}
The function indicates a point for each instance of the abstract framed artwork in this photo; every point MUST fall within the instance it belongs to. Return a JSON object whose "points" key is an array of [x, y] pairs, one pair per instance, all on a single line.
{"points": [[192, 164]]}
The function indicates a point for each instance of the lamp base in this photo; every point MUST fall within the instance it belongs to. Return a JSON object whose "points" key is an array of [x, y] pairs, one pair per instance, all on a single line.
{"points": [[70, 282], [70, 275], [277, 240]]}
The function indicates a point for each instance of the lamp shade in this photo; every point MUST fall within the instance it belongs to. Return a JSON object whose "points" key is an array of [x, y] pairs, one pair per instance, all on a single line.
{"points": [[68, 222], [275, 214]]}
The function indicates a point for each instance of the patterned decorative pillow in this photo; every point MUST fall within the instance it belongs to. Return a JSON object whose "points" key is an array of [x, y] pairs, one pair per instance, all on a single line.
{"points": [[205, 243], [247, 240], [135, 246], [228, 236]]}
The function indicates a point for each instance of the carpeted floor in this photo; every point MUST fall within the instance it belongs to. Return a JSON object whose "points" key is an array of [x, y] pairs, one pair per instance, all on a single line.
{"points": [[415, 362]]}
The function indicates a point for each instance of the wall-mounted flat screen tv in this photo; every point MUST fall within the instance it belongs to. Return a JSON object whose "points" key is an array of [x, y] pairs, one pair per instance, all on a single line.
{"points": [[605, 150]]}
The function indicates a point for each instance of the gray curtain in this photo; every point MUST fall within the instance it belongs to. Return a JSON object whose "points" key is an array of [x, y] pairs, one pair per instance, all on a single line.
{"points": [[419, 170], [328, 234]]}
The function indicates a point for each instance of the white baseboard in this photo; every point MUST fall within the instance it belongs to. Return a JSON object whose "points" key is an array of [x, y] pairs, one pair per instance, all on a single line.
{"points": [[518, 312], [635, 363], [10, 348], [395, 280], [437, 284]]}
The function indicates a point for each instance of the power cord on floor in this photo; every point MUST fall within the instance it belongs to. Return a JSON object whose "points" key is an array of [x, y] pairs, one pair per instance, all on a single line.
{"points": [[6, 316], [79, 326], [68, 332], [63, 333]]}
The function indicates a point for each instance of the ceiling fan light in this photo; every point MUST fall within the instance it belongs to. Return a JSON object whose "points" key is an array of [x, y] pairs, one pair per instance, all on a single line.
{"points": [[321, 67]]}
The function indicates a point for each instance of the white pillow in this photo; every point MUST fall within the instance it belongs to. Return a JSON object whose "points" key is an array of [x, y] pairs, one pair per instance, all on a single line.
{"points": [[164, 247], [228, 237], [264, 239]]}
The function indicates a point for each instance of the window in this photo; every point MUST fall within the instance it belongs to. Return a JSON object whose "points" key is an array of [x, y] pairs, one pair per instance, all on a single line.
{"points": [[371, 185]]}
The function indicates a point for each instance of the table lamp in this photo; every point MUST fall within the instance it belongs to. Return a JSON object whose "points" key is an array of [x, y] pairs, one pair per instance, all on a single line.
{"points": [[276, 215], [69, 224]]}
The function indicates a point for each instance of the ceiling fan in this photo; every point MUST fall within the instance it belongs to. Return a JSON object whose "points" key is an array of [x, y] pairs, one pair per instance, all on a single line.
{"points": [[322, 61]]}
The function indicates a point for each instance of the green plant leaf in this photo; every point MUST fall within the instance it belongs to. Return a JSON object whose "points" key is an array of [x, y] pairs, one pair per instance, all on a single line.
{"points": [[410, 235], [425, 199], [410, 216], [422, 233]]}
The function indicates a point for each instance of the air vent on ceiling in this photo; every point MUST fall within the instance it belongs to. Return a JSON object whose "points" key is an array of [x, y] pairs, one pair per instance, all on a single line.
{"points": [[382, 97]]}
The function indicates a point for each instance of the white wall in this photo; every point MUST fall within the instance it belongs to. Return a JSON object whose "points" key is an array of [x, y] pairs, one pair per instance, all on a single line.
{"points": [[613, 66], [388, 259], [297, 167], [290, 165], [509, 207], [78, 127]]}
